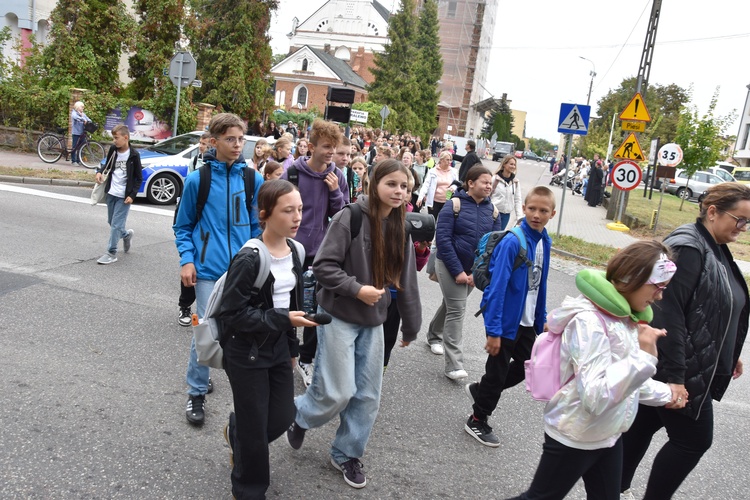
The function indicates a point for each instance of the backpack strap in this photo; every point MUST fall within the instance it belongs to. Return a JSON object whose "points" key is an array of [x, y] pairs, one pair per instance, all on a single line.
{"points": [[203, 188], [292, 175], [249, 175], [523, 252], [355, 224], [264, 263], [495, 213], [456, 202]]}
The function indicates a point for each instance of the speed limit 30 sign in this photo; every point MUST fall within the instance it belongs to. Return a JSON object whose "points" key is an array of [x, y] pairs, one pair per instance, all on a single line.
{"points": [[626, 175]]}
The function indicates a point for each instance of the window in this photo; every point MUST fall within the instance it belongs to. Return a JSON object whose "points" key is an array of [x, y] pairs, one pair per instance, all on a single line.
{"points": [[451, 9], [300, 96], [304, 64], [279, 100]]}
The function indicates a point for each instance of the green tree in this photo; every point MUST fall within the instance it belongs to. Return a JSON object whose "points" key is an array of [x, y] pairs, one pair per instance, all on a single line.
{"points": [[160, 25], [540, 146], [373, 114], [429, 67], [701, 137], [231, 45], [395, 81], [500, 122], [87, 39]]}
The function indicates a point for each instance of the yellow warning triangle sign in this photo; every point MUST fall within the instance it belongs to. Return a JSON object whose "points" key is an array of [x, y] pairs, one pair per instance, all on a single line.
{"points": [[636, 110], [630, 149]]}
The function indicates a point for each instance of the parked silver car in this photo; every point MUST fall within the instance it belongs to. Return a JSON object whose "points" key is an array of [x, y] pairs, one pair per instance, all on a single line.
{"points": [[699, 182]]}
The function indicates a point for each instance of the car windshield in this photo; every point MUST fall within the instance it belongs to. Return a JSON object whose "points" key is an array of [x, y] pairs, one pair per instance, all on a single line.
{"points": [[742, 175], [175, 145]]}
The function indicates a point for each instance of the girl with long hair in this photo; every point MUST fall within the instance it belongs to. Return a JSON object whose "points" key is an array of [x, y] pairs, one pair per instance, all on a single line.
{"points": [[506, 193], [260, 326], [282, 152], [302, 149], [260, 155], [354, 267]]}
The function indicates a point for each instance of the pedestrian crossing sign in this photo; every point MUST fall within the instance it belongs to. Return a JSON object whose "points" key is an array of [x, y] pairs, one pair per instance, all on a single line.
{"points": [[630, 149], [636, 110], [574, 119]]}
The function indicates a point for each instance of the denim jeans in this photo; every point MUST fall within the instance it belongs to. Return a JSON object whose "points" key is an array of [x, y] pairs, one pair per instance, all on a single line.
{"points": [[504, 219], [197, 374], [346, 382], [75, 157], [117, 216], [448, 323]]}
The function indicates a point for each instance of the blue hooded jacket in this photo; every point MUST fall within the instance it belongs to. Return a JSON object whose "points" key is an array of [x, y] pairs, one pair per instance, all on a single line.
{"points": [[456, 237], [225, 224], [505, 297]]}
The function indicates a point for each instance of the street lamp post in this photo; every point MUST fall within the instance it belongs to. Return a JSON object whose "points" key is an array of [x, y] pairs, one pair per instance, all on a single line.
{"points": [[592, 73]]}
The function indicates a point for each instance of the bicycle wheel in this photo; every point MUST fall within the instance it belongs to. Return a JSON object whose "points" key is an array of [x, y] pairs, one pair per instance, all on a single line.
{"points": [[49, 148], [92, 154]]}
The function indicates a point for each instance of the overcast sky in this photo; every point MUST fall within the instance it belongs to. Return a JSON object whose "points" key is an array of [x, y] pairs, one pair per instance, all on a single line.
{"points": [[537, 44]]}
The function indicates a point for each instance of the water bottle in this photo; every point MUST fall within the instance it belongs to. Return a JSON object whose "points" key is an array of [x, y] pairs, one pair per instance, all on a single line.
{"points": [[309, 304]]}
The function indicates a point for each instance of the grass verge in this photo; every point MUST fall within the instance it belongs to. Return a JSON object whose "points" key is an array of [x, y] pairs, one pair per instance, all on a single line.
{"points": [[49, 173], [598, 254]]}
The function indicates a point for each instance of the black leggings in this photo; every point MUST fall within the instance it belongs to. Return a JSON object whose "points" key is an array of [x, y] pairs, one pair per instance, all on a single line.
{"points": [[436, 208], [390, 329], [561, 467], [688, 440]]}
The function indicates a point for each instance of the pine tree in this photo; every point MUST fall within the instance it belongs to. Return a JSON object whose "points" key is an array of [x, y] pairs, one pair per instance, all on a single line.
{"points": [[395, 81], [87, 38], [231, 45], [500, 122], [429, 67], [160, 25]]}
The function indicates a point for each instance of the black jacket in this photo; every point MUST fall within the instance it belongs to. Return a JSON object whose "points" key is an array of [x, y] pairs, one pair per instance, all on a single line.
{"points": [[695, 311], [134, 172], [467, 162], [245, 313]]}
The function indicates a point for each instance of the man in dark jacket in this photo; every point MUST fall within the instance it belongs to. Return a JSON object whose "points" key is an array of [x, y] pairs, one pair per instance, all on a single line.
{"points": [[467, 161]]}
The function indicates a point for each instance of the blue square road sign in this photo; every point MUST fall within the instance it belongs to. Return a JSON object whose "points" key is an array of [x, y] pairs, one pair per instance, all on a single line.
{"points": [[574, 119]]}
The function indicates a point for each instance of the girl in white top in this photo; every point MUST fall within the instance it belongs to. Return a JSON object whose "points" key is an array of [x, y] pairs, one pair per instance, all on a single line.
{"points": [[437, 183], [506, 192]]}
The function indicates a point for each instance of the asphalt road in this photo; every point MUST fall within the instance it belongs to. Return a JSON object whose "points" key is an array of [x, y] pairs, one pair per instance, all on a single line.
{"points": [[93, 366]]}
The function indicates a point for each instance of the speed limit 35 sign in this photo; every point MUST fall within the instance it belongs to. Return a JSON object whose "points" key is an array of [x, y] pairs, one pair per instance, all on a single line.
{"points": [[626, 175]]}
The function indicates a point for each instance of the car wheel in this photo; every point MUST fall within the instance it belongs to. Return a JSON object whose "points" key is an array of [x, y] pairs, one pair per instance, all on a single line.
{"points": [[163, 189], [684, 193]]}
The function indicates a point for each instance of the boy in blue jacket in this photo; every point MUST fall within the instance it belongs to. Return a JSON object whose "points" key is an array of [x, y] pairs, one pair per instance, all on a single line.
{"points": [[515, 310], [207, 245]]}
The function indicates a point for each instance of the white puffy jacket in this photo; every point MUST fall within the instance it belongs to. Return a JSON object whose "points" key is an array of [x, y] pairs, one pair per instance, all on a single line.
{"points": [[507, 196]]}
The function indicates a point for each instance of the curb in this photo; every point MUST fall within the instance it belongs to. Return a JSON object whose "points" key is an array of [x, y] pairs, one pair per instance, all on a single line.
{"points": [[42, 180], [570, 255]]}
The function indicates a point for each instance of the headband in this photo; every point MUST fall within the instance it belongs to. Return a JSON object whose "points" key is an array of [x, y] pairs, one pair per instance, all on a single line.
{"points": [[663, 270]]}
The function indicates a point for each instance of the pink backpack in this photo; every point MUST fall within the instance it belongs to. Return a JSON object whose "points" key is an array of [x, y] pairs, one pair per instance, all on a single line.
{"points": [[543, 367]]}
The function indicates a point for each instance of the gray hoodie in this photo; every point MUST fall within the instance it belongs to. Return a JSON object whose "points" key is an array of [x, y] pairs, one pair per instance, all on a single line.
{"points": [[343, 266]]}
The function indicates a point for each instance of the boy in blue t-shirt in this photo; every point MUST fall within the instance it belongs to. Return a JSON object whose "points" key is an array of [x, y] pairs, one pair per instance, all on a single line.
{"points": [[514, 311]]}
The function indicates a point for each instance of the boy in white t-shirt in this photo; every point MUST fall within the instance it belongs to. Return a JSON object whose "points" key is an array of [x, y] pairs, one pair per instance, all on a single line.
{"points": [[122, 185]]}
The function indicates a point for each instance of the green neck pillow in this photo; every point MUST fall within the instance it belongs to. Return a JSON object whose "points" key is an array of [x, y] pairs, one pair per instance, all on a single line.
{"points": [[594, 286]]}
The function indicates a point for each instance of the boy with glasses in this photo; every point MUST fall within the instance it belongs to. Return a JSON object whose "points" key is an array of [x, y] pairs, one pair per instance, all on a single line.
{"points": [[208, 241]]}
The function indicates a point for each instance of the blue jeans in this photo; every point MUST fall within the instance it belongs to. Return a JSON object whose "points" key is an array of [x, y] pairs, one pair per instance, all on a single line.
{"points": [[346, 382], [197, 374], [117, 215], [504, 219], [75, 157]]}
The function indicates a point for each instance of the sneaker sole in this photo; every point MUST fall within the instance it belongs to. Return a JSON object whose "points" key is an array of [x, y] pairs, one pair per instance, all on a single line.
{"points": [[340, 469], [226, 438], [467, 389], [473, 434], [302, 374]]}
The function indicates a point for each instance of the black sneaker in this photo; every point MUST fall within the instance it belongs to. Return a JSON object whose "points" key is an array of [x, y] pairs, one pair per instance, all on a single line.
{"points": [[481, 431], [471, 390], [295, 435], [210, 386], [195, 410], [352, 470], [229, 437], [185, 318]]}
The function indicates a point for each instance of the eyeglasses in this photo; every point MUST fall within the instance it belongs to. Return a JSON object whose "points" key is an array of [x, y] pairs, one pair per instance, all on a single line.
{"points": [[740, 221], [659, 288], [234, 140]]}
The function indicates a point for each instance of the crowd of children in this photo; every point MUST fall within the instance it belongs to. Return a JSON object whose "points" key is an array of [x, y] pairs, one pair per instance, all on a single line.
{"points": [[337, 206]]}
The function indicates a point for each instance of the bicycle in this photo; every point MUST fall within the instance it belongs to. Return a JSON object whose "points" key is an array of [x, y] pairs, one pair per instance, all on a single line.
{"points": [[52, 145]]}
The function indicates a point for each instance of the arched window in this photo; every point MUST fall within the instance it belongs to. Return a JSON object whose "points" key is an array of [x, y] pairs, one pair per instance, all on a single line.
{"points": [[304, 64], [343, 53], [300, 96]]}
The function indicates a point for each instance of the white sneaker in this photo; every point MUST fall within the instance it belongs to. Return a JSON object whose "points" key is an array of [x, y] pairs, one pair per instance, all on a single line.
{"points": [[107, 258], [627, 495], [457, 374], [305, 371], [437, 348]]}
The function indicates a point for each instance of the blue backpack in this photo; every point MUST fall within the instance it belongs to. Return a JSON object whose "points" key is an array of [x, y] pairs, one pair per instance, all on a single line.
{"points": [[481, 268]]}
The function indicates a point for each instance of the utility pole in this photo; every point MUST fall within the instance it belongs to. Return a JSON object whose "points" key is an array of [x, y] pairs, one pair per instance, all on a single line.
{"points": [[644, 71], [592, 74]]}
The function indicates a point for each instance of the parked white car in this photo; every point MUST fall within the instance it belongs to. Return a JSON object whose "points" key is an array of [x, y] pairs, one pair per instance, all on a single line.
{"points": [[699, 182]]}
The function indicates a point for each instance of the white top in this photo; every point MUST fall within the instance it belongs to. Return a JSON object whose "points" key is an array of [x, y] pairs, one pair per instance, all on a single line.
{"points": [[284, 280], [120, 174], [529, 310]]}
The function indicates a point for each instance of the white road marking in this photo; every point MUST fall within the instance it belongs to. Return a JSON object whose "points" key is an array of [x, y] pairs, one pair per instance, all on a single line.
{"points": [[66, 197]]}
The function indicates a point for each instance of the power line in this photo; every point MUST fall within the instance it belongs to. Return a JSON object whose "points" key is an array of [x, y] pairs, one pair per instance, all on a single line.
{"points": [[612, 46]]}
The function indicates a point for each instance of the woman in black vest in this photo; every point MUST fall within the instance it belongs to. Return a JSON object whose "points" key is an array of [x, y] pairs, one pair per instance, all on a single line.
{"points": [[705, 312]]}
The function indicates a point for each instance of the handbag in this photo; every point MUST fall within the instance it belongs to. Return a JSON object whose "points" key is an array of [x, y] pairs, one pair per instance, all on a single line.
{"points": [[430, 267], [99, 193]]}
